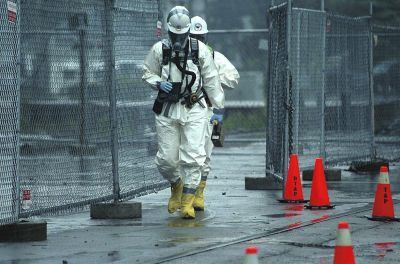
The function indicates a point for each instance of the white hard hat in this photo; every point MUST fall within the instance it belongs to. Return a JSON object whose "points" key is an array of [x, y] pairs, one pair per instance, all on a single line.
{"points": [[198, 26], [178, 20]]}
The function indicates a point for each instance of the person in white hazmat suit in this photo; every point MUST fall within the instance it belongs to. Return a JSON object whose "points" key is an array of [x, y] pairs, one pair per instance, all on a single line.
{"points": [[182, 70], [229, 78]]}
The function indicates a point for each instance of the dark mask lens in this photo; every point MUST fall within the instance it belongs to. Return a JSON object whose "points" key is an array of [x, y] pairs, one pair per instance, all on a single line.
{"points": [[177, 40]]}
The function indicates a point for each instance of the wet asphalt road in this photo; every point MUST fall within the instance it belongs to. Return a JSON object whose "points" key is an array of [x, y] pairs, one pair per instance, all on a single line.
{"points": [[234, 218]]}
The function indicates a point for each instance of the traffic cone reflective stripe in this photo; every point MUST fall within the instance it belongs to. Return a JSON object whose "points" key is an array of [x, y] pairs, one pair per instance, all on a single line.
{"points": [[383, 205], [293, 188], [319, 197], [251, 256], [343, 247], [384, 175]]}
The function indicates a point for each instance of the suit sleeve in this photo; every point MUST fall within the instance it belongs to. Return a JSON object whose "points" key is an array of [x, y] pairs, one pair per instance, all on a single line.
{"points": [[228, 75], [152, 66], [209, 74]]}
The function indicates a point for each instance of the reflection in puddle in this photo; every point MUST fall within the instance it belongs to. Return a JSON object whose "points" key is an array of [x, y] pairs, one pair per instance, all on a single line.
{"points": [[179, 222], [294, 225], [322, 218], [173, 242], [185, 223], [199, 221], [384, 247], [298, 207]]}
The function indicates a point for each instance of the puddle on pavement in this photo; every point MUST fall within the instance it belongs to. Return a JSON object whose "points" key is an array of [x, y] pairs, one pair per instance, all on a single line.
{"points": [[173, 242], [179, 222], [282, 215], [130, 224], [113, 256], [294, 225], [319, 219], [201, 219], [383, 247], [297, 207], [185, 223]]}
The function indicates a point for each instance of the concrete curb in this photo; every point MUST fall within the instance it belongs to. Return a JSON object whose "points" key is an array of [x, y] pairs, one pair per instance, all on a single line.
{"points": [[368, 166], [330, 175], [125, 210], [24, 231], [262, 183]]}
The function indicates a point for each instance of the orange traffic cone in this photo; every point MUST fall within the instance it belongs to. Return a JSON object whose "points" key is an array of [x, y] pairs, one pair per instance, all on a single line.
{"points": [[319, 198], [343, 247], [383, 206], [293, 192], [251, 256]]}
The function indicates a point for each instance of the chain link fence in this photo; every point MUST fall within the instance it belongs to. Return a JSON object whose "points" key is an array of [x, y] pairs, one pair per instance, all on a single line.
{"points": [[386, 76], [87, 129], [277, 92], [244, 42], [319, 101], [307, 46], [77, 126], [9, 111], [245, 105], [348, 101]]}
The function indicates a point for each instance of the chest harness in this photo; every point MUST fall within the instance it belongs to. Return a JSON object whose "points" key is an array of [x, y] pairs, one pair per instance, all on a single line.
{"points": [[188, 97]]}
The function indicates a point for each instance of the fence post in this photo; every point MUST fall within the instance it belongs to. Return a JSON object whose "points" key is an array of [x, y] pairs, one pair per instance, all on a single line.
{"points": [[83, 64], [298, 83], [287, 144], [110, 69], [17, 191], [371, 81], [322, 149], [268, 93]]}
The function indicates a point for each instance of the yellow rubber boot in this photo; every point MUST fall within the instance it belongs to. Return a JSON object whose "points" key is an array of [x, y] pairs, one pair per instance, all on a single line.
{"points": [[174, 202], [187, 210], [198, 203]]}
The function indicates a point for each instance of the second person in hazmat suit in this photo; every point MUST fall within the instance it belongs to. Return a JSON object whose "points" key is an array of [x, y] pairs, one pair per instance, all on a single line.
{"points": [[178, 68], [229, 78]]}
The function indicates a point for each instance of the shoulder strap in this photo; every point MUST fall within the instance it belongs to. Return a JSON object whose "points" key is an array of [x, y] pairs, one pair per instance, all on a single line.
{"points": [[211, 50], [194, 49], [166, 52]]}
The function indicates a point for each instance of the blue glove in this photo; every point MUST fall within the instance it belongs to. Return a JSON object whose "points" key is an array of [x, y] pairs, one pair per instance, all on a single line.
{"points": [[165, 86], [217, 117]]}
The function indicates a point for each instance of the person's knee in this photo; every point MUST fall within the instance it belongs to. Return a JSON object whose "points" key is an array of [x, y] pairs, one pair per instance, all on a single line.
{"points": [[197, 162], [166, 166], [193, 158]]}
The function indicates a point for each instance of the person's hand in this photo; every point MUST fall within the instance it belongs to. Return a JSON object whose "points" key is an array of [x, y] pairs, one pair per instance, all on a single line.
{"points": [[217, 117], [165, 86]]}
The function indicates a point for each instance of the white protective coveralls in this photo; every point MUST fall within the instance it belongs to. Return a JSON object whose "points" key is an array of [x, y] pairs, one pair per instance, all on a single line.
{"points": [[229, 78], [180, 130]]}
